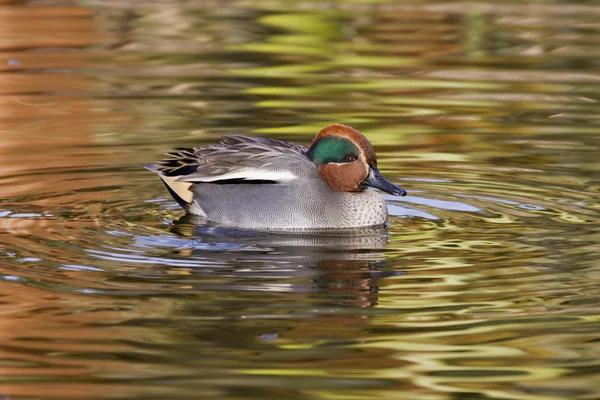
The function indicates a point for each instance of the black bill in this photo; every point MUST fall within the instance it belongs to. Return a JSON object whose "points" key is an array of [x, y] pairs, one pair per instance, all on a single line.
{"points": [[376, 180]]}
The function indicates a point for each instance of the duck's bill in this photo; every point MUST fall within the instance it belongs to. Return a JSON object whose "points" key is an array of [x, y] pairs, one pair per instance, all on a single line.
{"points": [[376, 180]]}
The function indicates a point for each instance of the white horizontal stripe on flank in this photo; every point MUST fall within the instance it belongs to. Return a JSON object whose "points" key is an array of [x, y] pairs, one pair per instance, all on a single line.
{"points": [[246, 174]]}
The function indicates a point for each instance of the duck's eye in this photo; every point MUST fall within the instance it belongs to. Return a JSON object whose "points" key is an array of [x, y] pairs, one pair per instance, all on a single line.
{"points": [[350, 157]]}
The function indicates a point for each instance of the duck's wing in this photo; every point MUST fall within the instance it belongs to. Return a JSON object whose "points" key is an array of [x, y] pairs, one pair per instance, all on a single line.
{"points": [[239, 158], [236, 160], [258, 144]]}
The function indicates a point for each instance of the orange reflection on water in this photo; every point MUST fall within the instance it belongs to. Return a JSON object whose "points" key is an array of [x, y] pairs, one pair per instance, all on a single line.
{"points": [[48, 336], [33, 119]]}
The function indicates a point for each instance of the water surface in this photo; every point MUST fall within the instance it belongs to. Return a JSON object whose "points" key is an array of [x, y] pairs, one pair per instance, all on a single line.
{"points": [[484, 286]]}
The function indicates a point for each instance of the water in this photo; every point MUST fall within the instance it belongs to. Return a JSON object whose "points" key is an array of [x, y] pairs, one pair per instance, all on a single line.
{"points": [[485, 286]]}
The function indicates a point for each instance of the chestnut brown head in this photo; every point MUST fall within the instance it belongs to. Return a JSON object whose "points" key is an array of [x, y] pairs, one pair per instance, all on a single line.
{"points": [[347, 162]]}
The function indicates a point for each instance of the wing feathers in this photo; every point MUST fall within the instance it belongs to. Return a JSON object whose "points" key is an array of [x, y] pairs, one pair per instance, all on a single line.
{"points": [[237, 159]]}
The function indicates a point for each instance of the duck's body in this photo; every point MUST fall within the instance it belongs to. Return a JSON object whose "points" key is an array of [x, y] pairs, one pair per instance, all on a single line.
{"points": [[288, 206], [260, 183]]}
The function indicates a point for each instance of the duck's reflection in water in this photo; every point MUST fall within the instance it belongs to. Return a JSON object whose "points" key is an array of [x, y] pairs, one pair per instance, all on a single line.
{"points": [[343, 266]]}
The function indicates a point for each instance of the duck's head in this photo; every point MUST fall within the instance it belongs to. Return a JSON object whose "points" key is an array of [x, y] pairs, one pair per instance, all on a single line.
{"points": [[347, 162]]}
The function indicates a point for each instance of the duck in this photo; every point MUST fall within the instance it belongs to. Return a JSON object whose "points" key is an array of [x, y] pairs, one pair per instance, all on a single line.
{"points": [[261, 183]]}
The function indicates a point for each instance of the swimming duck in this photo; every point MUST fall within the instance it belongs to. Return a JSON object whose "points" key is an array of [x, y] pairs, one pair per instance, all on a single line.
{"points": [[269, 184]]}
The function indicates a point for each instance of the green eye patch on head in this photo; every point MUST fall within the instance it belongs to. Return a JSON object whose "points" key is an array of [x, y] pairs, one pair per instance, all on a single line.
{"points": [[333, 150]]}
